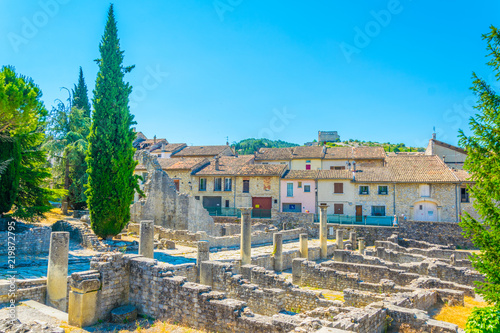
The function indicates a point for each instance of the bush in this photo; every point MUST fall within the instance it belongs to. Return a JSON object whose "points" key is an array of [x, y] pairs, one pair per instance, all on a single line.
{"points": [[484, 320]]}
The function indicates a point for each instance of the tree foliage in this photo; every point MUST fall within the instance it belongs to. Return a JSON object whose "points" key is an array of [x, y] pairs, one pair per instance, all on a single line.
{"points": [[110, 153], [23, 119], [483, 163], [10, 153], [249, 146], [80, 96]]}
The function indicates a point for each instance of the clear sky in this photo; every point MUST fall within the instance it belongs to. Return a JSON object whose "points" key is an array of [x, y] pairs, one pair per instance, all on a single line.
{"points": [[207, 69]]}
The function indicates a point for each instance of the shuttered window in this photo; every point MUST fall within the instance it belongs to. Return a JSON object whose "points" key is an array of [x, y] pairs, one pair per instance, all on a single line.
{"points": [[338, 188]]}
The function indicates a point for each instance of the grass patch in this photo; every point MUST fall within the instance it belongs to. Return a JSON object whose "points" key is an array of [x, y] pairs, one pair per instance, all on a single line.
{"points": [[458, 314]]}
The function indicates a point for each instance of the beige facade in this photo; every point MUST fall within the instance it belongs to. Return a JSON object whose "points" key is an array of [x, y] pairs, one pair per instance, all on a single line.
{"points": [[326, 194], [379, 195], [302, 164]]}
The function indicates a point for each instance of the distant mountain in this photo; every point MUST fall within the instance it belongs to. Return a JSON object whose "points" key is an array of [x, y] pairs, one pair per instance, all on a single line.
{"points": [[249, 146]]}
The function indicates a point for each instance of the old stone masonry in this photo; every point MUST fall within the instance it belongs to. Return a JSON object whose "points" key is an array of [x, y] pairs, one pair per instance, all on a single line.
{"points": [[289, 281]]}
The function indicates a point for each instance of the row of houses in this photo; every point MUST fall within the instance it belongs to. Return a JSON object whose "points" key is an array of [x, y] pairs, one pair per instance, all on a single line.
{"points": [[355, 182]]}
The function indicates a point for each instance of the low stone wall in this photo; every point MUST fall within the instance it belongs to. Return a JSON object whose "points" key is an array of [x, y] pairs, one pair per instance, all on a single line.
{"points": [[80, 233], [294, 220], [34, 289], [442, 233], [184, 237], [30, 241], [156, 292]]}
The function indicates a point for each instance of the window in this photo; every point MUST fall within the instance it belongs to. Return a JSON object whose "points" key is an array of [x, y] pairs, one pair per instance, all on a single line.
{"points": [[246, 186], [382, 190], [464, 195], [338, 188], [203, 184], [425, 190], [378, 210], [307, 188], [218, 184], [299, 184], [227, 203], [338, 209], [176, 182], [364, 190], [289, 189], [308, 166], [197, 197], [337, 168], [228, 185], [308, 161]]}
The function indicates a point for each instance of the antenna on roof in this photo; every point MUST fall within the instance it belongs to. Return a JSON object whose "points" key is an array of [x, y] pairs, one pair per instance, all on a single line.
{"points": [[434, 132]]}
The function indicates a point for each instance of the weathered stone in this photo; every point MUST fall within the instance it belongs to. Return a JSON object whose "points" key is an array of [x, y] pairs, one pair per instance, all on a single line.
{"points": [[278, 251], [246, 236], [323, 230], [57, 272], [304, 248], [124, 314], [146, 240]]}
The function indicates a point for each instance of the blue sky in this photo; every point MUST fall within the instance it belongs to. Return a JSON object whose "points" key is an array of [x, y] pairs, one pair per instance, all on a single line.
{"points": [[378, 70]]}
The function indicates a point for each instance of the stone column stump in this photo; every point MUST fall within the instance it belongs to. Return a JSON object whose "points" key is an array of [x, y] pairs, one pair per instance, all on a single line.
{"points": [[246, 236], [323, 219], [304, 249], [278, 251], [146, 240], [203, 255], [57, 272], [340, 239], [82, 308]]}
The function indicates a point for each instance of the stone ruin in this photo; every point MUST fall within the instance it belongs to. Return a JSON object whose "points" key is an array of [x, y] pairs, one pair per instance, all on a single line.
{"points": [[164, 205], [398, 281]]}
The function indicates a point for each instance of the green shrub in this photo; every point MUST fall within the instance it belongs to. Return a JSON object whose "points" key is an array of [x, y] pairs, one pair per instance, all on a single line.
{"points": [[484, 320]]}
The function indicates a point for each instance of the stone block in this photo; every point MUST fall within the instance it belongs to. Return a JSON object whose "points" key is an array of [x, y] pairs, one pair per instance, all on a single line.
{"points": [[124, 314]]}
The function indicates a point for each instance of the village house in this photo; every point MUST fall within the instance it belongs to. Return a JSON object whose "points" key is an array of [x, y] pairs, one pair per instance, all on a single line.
{"points": [[204, 151], [298, 191]]}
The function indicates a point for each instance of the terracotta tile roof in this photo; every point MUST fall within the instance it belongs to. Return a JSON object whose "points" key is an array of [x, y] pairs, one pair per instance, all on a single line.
{"points": [[273, 154], [463, 176], [262, 170], [228, 165], [178, 163], [193, 151], [169, 148], [334, 174], [375, 174], [307, 152], [301, 174], [419, 169], [368, 153], [339, 153], [149, 143]]}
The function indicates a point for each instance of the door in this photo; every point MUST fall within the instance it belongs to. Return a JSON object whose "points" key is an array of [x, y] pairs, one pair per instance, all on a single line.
{"points": [[338, 209], [359, 213], [212, 204], [425, 211], [262, 206]]}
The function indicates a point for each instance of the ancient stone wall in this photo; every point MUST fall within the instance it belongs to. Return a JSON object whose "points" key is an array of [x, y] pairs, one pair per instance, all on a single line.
{"points": [[30, 241], [442, 233], [80, 233], [34, 289], [166, 206]]}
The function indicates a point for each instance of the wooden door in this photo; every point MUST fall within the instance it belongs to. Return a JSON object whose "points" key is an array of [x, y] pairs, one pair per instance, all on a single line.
{"points": [[262, 206], [359, 213]]}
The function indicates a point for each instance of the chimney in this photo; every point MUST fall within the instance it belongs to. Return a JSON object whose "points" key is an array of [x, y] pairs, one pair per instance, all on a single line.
{"points": [[433, 136], [354, 176], [133, 129], [354, 166], [163, 146], [348, 164], [154, 140], [217, 163], [324, 149]]}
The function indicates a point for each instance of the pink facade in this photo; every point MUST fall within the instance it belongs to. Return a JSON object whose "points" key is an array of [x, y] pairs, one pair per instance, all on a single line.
{"points": [[298, 195]]}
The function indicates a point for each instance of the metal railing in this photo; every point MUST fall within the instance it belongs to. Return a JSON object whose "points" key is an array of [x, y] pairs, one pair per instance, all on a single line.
{"points": [[358, 220], [236, 212]]}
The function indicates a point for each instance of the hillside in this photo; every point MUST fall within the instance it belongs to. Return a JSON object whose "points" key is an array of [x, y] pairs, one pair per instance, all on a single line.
{"points": [[249, 146], [389, 147]]}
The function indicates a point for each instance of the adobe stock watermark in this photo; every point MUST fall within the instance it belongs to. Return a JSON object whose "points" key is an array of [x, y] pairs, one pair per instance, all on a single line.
{"points": [[32, 25], [223, 6], [364, 36], [150, 82], [277, 124]]}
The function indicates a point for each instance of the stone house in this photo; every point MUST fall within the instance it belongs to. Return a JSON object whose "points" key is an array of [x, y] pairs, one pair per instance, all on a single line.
{"points": [[336, 190], [215, 184], [298, 191], [204, 151], [453, 156], [274, 156], [166, 150]]}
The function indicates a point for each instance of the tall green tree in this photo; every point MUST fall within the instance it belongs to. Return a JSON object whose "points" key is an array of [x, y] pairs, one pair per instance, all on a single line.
{"points": [[483, 163], [22, 123], [110, 153], [80, 95]]}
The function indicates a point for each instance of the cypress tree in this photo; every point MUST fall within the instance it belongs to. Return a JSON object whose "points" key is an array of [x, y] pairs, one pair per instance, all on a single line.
{"points": [[80, 95], [483, 163], [110, 161]]}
